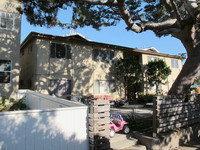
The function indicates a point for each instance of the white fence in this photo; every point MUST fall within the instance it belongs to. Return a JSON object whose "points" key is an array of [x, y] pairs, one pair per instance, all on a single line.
{"points": [[46, 126]]}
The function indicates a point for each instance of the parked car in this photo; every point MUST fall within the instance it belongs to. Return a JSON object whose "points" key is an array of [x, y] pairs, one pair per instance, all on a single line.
{"points": [[120, 102], [117, 124]]}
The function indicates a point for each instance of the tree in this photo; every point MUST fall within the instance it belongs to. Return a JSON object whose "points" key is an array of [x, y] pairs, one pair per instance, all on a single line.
{"points": [[157, 72], [178, 18], [129, 71]]}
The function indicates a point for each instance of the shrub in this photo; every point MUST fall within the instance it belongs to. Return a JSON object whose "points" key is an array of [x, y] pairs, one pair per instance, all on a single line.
{"points": [[8, 104], [143, 125], [145, 98]]}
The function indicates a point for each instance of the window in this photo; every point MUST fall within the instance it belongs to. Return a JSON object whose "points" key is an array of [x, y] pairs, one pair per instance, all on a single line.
{"points": [[60, 51], [174, 63], [102, 55], [60, 88], [5, 71], [7, 21], [153, 88], [103, 87], [151, 58]]}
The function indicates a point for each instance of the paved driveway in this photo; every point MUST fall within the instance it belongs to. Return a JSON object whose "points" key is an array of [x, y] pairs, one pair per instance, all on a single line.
{"points": [[138, 110]]}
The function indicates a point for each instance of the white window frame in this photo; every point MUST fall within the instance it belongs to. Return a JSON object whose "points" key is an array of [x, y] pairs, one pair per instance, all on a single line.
{"points": [[151, 58], [100, 89], [10, 16], [174, 65], [4, 71]]}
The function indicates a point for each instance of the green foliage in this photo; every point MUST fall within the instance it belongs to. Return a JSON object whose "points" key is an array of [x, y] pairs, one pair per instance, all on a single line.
{"points": [[157, 72], [130, 69], [7, 104], [45, 12], [145, 98], [143, 125]]}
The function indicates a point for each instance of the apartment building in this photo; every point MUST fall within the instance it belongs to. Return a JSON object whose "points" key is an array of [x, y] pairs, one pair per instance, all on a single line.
{"points": [[74, 65]]}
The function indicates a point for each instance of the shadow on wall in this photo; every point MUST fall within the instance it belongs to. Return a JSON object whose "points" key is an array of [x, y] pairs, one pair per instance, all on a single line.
{"points": [[80, 69], [42, 130], [9, 50]]}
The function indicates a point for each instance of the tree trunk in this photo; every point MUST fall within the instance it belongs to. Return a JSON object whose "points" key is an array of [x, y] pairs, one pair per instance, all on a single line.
{"points": [[191, 68]]}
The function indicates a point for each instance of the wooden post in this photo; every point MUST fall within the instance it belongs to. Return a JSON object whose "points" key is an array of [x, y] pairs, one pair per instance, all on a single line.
{"points": [[154, 117], [99, 119]]}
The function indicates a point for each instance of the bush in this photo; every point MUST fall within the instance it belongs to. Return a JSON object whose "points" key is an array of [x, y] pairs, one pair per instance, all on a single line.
{"points": [[143, 125], [7, 104], [145, 98]]}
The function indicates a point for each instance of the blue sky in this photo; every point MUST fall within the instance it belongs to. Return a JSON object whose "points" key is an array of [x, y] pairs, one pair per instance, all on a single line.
{"points": [[116, 35]]}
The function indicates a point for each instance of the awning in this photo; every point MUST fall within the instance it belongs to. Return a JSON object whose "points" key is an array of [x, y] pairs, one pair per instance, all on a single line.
{"points": [[194, 86]]}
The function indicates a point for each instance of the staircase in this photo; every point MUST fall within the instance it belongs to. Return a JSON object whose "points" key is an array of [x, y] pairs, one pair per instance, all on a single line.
{"points": [[125, 142]]}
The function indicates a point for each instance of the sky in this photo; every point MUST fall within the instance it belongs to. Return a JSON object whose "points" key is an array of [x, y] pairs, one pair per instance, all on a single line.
{"points": [[116, 35]]}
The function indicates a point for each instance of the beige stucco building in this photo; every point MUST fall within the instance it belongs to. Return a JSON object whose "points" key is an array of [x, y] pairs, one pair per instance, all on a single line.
{"points": [[74, 65], [10, 30]]}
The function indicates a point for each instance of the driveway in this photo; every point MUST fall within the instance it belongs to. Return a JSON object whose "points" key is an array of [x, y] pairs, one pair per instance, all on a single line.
{"points": [[138, 110]]}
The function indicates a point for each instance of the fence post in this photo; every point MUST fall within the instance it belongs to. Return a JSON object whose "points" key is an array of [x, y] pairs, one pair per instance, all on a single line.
{"points": [[99, 118], [155, 116]]}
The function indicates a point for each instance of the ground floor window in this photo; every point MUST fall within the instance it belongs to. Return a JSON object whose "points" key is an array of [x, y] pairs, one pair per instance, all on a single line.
{"points": [[60, 88], [5, 71], [103, 87]]}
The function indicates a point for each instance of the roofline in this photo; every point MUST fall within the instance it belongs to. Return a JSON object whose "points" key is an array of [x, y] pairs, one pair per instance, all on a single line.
{"points": [[33, 35]]}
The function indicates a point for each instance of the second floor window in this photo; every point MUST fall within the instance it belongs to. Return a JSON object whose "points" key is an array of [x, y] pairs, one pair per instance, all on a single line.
{"points": [[60, 88], [7, 21], [174, 63], [60, 51], [151, 58], [102, 55]]}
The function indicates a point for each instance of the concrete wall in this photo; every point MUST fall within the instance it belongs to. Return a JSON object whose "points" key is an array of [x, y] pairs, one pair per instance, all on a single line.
{"points": [[10, 47], [52, 128]]}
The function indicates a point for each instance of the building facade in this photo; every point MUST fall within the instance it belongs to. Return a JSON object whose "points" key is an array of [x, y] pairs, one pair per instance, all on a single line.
{"points": [[74, 65], [10, 33]]}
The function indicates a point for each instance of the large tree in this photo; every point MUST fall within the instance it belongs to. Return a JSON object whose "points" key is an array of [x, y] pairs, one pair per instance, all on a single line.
{"points": [[178, 18]]}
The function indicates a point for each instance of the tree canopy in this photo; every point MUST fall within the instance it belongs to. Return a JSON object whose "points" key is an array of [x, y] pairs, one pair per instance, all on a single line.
{"points": [[157, 72], [178, 18], [129, 71]]}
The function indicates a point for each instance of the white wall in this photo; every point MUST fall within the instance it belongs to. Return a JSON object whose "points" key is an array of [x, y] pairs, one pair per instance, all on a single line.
{"points": [[45, 129]]}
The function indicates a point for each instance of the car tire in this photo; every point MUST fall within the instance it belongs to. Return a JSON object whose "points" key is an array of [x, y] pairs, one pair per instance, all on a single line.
{"points": [[126, 129]]}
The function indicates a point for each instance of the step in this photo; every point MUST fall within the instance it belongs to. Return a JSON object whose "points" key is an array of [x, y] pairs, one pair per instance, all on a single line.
{"points": [[125, 142], [120, 137]]}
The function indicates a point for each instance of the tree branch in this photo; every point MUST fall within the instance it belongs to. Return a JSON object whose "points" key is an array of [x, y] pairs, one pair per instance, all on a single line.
{"points": [[176, 11], [192, 7], [127, 18], [170, 23], [100, 2]]}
